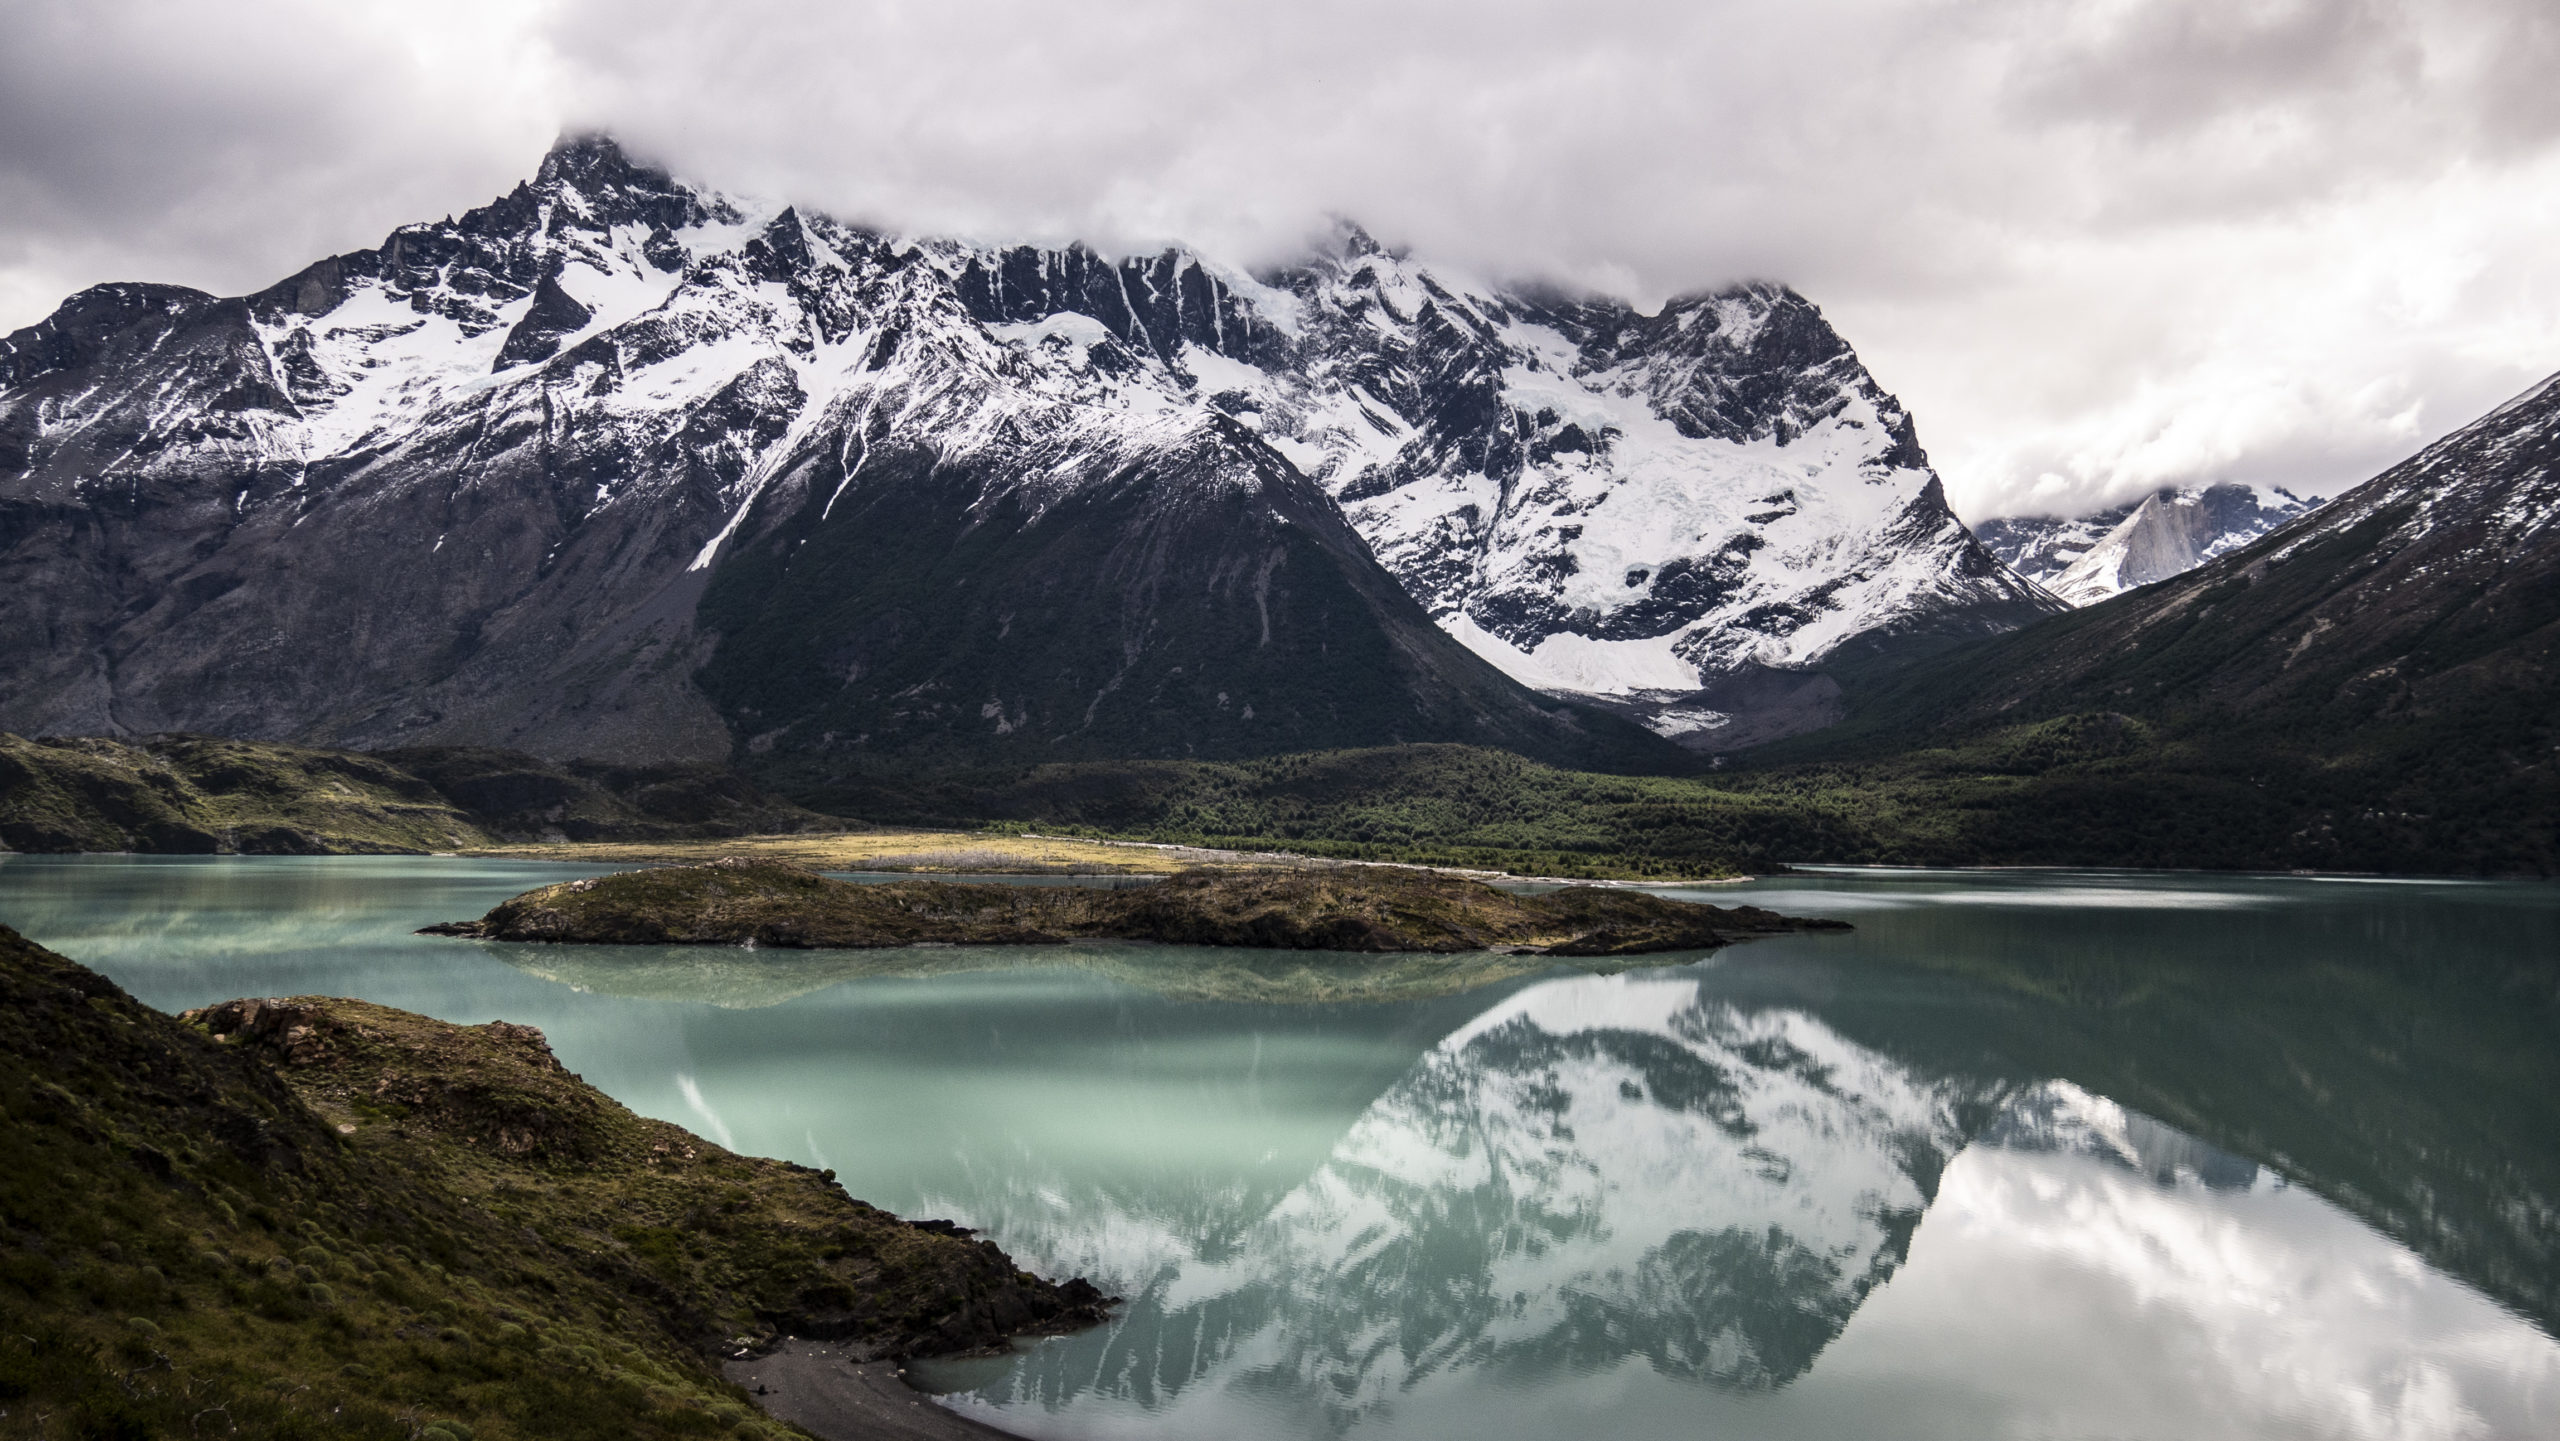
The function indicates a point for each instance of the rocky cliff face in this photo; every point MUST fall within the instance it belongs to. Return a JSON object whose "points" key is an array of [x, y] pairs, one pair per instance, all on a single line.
{"points": [[1606, 502], [615, 466], [2085, 559]]}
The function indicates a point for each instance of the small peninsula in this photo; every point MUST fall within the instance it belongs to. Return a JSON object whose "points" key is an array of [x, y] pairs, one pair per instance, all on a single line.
{"points": [[742, 902]]}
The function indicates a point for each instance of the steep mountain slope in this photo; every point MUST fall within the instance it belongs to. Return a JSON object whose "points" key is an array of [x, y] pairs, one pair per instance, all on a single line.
{"points": [[2385, 670], [616, 466], [1604, 502], [316, 513], [2085, 559]]}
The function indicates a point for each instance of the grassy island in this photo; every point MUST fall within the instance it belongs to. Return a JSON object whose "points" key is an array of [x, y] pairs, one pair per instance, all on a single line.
{"points": [[743, 902]]}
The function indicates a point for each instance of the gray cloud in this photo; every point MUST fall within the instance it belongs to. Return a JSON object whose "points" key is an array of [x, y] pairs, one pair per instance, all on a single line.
{"points": [[2097, 245]]}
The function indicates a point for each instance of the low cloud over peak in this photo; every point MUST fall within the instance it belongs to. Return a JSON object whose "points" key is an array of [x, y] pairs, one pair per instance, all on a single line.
{"points": [[2096, 246]]}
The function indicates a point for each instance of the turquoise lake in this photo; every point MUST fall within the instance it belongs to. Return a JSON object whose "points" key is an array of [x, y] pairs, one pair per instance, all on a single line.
{"points": [[2030, 1154]]}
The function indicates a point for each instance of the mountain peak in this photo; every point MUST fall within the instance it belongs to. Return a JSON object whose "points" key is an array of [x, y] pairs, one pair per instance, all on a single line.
{"points": [[586, 156], [1349, 240], [2086, 559]]}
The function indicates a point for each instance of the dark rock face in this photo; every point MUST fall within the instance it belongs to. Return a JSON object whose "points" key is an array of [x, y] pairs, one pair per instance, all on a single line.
{"points": [[613, 467], [1208, 602], [553, 314], [1154, 305]]}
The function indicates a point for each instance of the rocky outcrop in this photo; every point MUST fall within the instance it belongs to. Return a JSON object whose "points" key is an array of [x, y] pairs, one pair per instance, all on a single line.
{"points": [[201, 795], [1376, 910]]}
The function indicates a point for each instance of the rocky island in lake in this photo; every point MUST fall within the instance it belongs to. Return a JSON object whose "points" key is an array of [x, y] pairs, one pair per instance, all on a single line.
{"points": [[739, 902]]}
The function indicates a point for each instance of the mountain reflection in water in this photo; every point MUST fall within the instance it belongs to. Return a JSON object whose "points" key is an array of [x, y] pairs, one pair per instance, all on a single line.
{"points": [[1605, 1174], [1593, 1169]]}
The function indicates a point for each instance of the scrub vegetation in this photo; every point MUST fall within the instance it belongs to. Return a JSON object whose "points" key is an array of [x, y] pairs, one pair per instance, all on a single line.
{"points": [[315, 1217], [2088, 788], [203, 795], [741, 902], [186, 794]]}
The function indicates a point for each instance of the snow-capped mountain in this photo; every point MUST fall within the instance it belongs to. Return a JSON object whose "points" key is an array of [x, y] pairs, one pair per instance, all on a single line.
{"points": [[618, 465], [2085, 559], [1606, 502]]}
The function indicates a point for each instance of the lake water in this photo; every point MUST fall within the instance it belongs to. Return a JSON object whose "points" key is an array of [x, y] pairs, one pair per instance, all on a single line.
{"points": [[2027, 1154]]}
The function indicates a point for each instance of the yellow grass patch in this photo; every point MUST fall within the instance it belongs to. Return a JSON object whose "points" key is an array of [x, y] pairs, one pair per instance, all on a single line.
{"points": [[926, 852]]}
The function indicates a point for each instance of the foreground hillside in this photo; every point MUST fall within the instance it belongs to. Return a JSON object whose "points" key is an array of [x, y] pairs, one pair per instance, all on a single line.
{"points": [[315, 1218]]}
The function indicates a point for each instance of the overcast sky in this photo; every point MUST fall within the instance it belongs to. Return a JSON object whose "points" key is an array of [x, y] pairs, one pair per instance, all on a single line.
{"points": [[2096, 245]]}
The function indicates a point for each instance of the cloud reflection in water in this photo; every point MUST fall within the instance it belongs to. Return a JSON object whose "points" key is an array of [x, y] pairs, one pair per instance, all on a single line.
{"points": [[1625, 1196]]}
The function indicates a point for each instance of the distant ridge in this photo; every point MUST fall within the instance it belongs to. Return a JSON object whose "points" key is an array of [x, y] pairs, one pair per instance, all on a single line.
{"points": [[2385, 669], [2086, 559]]}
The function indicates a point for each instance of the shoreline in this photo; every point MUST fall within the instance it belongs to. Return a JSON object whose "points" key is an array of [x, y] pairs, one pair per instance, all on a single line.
{"points": [[820, 1387]]}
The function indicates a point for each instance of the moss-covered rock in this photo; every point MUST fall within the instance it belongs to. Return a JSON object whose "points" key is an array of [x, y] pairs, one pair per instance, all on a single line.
{"points": [[1370, 909]]}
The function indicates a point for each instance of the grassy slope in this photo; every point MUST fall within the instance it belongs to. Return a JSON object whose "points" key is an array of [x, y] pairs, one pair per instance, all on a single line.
{"points": [[2429, 795], [2375, 687], [523, 798], [1435, 804], [2085, 788], [197, 795], [2464, 783], [349, 1221], [187, 794]]}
